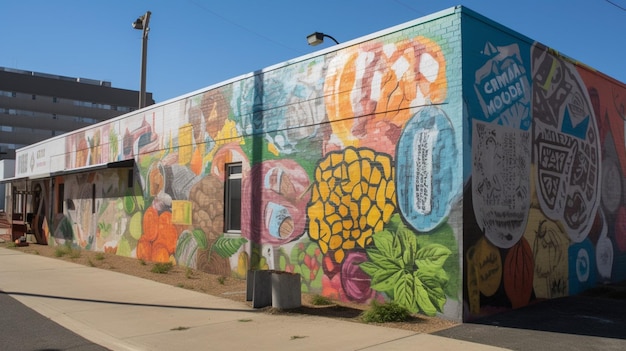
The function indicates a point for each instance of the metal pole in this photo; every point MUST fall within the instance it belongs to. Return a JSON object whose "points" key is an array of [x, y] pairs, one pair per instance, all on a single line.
{"points": [[144, 59]]}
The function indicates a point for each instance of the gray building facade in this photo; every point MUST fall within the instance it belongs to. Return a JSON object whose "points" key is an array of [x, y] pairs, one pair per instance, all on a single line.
{"points": [[36, 106]]}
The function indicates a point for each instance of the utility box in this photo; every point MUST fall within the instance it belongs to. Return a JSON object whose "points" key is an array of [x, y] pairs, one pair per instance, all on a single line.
{"points": [[278, 289]]}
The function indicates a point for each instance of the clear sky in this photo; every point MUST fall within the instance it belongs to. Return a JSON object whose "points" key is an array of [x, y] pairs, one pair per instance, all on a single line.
{"points": [[197, 43]]}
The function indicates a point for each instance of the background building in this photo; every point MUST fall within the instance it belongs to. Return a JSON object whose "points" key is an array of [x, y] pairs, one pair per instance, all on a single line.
{"points": [[37, 106]]}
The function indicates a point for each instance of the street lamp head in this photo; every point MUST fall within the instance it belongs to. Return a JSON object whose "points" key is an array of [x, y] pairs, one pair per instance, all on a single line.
{"points": [[138, 24], [315, 38], [318, 38]]}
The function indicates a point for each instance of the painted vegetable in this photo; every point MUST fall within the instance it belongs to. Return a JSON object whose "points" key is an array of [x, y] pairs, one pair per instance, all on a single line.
{"points": [[407, 73], [353, 196], [518, 274], [355, 282], [488, 265], [161, 247], [207, 206], [549, 244]]}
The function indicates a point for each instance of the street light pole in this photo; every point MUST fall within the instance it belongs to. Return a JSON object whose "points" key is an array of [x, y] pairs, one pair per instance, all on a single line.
{"points": [[142, 24]]}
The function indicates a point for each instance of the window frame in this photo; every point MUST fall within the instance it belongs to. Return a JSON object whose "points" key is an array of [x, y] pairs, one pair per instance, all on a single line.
{"points": [[233, 174]]}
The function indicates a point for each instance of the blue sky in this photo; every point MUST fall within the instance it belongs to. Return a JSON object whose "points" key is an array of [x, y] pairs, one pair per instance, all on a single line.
{"points": [[197, 43]]}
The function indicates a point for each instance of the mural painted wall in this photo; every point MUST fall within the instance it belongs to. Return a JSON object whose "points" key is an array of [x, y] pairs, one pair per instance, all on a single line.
{"points": [[350, 174], [546, 152], [454, 174]]}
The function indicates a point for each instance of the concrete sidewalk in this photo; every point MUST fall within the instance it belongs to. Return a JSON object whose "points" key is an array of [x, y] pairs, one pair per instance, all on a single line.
{"points": [[121, 312]]}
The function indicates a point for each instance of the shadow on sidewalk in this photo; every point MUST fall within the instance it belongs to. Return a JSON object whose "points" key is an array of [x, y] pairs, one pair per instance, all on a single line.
{"points": [[123, 303]]}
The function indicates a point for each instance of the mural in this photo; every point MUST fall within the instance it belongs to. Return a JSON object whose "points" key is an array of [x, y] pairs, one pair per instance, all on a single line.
{"points": [[374, 173], [547, 149], [326, 145]]}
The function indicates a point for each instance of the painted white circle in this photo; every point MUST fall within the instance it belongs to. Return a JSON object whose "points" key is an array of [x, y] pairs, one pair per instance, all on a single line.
{"points": [[582, 265], [604, 257]]}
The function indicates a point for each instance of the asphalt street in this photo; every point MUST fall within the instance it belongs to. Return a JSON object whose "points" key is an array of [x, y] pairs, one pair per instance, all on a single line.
{"points": [[26, 330]]}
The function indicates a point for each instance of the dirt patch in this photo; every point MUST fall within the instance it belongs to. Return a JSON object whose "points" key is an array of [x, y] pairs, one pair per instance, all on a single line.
{"points": [[216, 285]]}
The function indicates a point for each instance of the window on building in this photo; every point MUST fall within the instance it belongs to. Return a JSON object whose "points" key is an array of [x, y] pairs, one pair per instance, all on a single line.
{"points": [[93, 198], [130, 178], [232, 205], [60, 197], [55, 100], [34, 97]]}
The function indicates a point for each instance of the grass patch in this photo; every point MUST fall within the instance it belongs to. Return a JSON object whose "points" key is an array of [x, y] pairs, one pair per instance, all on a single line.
{"points": [[12, 244], [74, 253], [61, 251], [245, 320], [188, 273], [221, 279], [162, 268], [99, 256], [386, 312], [142, 262], [319, 300], [90, 263]]}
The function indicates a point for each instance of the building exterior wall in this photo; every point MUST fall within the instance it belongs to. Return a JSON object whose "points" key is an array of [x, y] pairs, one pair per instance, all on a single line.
{"points": [[544, 178], [449, 164], [326, 144]]}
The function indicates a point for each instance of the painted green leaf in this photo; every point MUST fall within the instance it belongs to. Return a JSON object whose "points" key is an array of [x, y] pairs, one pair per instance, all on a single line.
{"points": [[409, 245], [310, 249], [306, 272], [385, 281], [66, 229], [404, 292], [226, 247], [433, 277], [386, 243], [384, 262], [317, 283], [394, 223], [434, 283], [423, 300], [200, 237], [431, 256], [282, 262], [369, 268], [129, 204], [444, 235], [123, 248], [141, 204]]}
